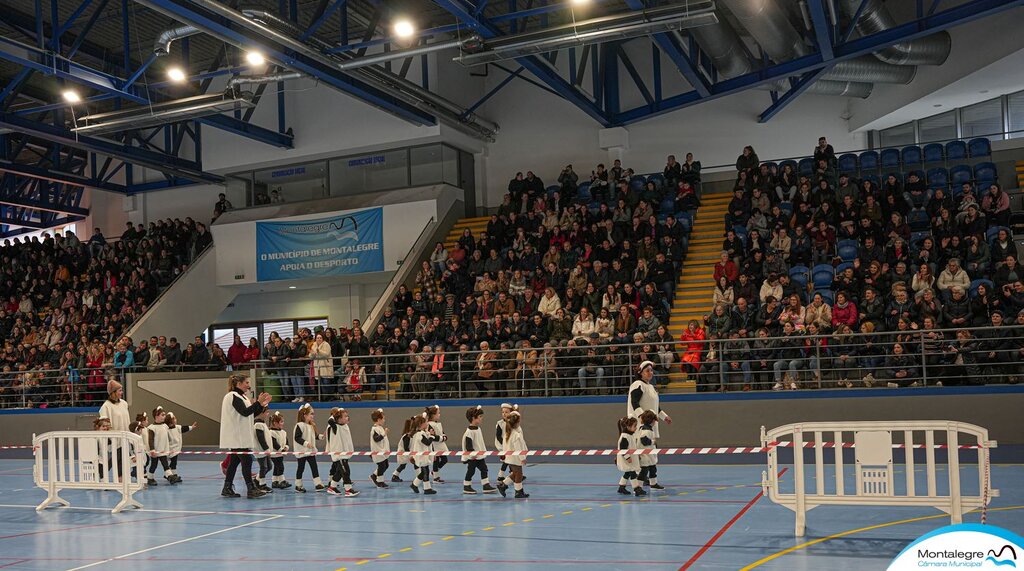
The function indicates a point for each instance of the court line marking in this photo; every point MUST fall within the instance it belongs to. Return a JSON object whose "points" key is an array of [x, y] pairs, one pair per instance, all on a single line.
{"points": [[776, 555], [144, 510], [173, 543]]}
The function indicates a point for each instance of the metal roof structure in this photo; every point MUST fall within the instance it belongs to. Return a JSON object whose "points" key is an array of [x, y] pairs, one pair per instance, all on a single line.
{"points": [[104, 50]]}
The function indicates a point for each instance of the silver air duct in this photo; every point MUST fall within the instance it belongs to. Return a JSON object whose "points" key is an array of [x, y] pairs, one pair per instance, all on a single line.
{"points": [[875, 18], [162, 45], [768, 24], [869, 69], [356, 63], [259, 79]]}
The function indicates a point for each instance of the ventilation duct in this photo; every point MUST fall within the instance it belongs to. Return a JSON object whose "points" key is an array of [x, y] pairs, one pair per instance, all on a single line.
{"points": [[768, 24], [472, 43], [260, 79], [826, 87], [594, 31], [875, 18], [869, 69], [162, 45], [164, 112]]}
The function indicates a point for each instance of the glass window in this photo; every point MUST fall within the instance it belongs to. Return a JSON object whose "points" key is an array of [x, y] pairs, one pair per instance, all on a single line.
{"points": [[938, 128], [292, 183], [312, 324], [982, 119], [382, 170], [426, 164], [898, 136], [450, 166], [224, 338], [1015, 109], [247, 333], [283, 328]]}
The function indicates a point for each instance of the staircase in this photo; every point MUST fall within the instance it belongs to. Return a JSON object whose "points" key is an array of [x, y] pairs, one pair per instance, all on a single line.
{"points": [[694, 288], [1019, 168], [477, 225]]}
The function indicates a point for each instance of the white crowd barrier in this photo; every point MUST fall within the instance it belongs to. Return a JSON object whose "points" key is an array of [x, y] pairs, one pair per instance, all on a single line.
{"points": [[874, 476], [88, 460]]}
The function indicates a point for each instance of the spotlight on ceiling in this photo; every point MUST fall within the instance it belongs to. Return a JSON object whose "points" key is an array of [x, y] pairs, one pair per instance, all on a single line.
{"points": [[176, 74], [404, 29], [255, 58], [580, 2], [71, 96]]}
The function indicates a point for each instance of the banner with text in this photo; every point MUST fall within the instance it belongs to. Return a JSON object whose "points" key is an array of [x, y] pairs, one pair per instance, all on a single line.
{"points": [[348, 243]]}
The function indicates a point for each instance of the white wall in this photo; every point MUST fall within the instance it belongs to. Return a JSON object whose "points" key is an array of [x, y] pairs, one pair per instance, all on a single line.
{"points": [[340, 303]]}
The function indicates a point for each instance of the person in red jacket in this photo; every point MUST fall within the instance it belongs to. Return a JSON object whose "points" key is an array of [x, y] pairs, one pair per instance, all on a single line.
{"points": [[844, 311], [693, 338], [236, 353], [252, 352], [726, 267]]}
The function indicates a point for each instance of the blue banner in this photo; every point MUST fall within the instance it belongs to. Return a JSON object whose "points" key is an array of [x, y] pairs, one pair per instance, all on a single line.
{"points": [[349, 243]]}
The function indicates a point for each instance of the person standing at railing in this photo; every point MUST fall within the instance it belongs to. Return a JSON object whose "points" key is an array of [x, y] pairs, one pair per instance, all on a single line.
{"points": [[323, 365], [237, 432]]}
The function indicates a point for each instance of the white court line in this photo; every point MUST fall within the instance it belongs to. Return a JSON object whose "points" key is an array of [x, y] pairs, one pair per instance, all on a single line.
{"points": [[144, 510], [173, 543]]}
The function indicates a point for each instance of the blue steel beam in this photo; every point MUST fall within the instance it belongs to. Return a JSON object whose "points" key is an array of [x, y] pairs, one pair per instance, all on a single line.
{"points": [[780, 103], [961, 14], [675, 52], [132, 155], [57, 176], [44, 206], [33, 225], [225, 29], [822, 28], [537, 66], [326, 15]]}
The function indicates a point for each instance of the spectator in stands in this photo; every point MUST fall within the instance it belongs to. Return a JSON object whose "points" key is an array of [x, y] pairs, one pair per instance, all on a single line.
{"points": [[950, 277], [747, 162]]}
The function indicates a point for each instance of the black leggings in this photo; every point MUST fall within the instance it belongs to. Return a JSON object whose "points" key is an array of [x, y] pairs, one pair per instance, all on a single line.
{"points": [[631, 475], [439, 462], [401, 467], [174, 462], [473, 465], [162, 460], [340, 472], [648, 472], [278, 466], [264, 463], [424, 473], [313, 469], [245, 459], [382, 467]]}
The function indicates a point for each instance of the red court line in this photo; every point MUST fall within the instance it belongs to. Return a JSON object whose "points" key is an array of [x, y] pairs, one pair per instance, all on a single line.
{"points": [[13, 563], [725, 528], [337, 560], [424, 502], [95, 525]]}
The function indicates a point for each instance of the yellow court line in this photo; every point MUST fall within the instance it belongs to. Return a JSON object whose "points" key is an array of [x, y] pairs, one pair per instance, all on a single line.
{"points": [[528, 520], [508, 524], [549, 516], [586, 509], [859, 530], [468, 532], [363, 562], [383, 556], [404, 549], [568, 512], [448, 538], [426, 543], [605, 506], [488, 528]]}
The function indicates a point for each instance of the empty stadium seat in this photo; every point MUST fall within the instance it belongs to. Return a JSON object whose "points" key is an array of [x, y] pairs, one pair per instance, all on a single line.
{"points": [[979, 147], [956, 151], [658, 180], [848, 163], [959, 175], [822, 275], [993, 231], [847, 250], [799, 275], [917, 219], [912, 155], [552, 189], [792, 165], [934, 153], [889, 158], [668, 204], [869, 161], [827, 295], [786, 207], [984, 173], [806, 167], [938, 177]]}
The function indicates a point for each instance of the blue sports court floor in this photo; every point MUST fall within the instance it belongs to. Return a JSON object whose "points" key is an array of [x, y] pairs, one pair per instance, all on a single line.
{"points": [[710, 517]]}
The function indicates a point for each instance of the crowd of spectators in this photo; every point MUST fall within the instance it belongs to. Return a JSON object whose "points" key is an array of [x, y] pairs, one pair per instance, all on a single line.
{"points": [[834, 256], [66, 304]]}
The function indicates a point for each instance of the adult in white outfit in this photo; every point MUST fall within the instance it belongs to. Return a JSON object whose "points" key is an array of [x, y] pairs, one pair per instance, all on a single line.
{"points": [[237, 432], [644, 396], [115, 409]]}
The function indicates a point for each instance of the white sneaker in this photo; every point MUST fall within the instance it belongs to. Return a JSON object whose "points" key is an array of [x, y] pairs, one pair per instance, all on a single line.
{"points": [[792, 385], [892, 385], [869, 380], [915, 384], [777, 387], [938, 383]]}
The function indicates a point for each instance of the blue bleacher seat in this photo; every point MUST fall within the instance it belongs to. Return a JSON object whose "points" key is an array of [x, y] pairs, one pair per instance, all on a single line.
{"points": [[826, 295], [848, 163], [912, 155], [984, 172], [938, 177], [874, 179], [668, 204], [934, 153], [741, 232], [770, 164], [956, 151], [799, 275], [889, 158], [686, 218], [991, 233], [917, 219], [822, 275], [637, 184], [916, 237], [792, 165], [786, 207], [658, 180], [843, 266], [583, 188], [973, 289], [979, 147], [869, 161], [553, 189], [806, 167], [959, 175], [847, 250]]}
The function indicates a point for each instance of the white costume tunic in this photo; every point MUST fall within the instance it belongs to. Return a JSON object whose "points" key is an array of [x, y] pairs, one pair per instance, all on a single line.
{"points": [[236, 430], [159, 439], [263, 431], [174, 438], [117, 413], [627, 462], [473, 441], [441, 445], [514, 440], [339, 441], [380, 444], [499, 435], [648, 400], [422, 441], [645, 439], [305, 432], [279, 442], [404, 444]]}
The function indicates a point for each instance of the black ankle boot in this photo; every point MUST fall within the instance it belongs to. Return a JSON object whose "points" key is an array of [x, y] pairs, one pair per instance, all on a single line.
{"points": [[229, 492]]}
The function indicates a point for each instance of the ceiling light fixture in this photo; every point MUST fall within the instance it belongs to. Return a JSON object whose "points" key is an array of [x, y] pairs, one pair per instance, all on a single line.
{"points": [[404, 29], [580, 2], [176, 74], [255, 58], [291, 287], [71, 96]]}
